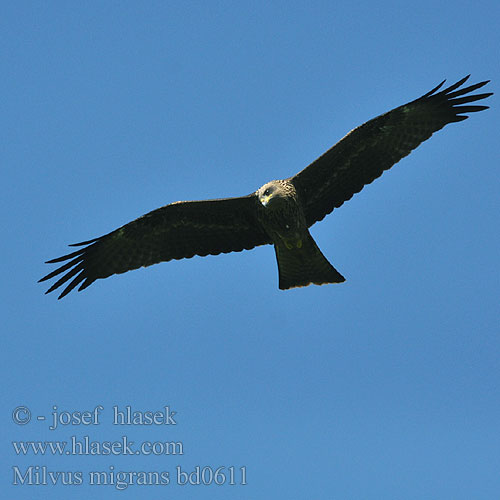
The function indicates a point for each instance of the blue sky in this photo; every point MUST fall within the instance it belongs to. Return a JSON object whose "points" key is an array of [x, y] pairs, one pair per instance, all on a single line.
{"points": [[386, 386]]}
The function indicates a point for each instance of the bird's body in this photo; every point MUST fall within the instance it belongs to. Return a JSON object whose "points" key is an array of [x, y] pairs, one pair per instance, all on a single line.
{"points": [[280, 212], [300, 261]]}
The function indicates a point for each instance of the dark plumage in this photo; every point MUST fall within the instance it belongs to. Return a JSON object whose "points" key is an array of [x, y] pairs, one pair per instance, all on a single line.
{"points": [[278, 213]]}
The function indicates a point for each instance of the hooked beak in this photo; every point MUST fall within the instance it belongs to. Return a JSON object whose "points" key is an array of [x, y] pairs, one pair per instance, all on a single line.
{"points": [[264, 199]]}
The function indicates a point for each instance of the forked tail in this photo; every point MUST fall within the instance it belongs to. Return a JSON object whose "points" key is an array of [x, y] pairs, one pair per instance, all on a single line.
{"points": [[304, 264]]}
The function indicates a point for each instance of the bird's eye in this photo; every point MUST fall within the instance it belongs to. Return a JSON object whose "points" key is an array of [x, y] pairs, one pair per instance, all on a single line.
{"points": [[267, 192]]}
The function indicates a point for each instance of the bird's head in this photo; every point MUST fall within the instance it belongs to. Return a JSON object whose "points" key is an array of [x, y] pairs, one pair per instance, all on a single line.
{"points": [[273, 193], [265, 193]]}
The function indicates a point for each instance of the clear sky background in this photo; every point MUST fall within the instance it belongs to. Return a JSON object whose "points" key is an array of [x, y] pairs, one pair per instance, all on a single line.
{"points": [[386, 386]]}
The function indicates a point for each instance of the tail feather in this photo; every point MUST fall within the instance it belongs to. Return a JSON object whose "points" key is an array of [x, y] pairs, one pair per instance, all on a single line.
{"points": [[304, 264]]}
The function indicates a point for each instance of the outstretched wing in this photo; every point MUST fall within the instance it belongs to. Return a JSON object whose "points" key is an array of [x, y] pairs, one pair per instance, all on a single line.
{"points": [[363, 154], [176, 231]]}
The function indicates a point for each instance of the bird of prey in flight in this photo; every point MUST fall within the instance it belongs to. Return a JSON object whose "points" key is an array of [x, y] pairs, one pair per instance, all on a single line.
{"points": [[279, 213]]}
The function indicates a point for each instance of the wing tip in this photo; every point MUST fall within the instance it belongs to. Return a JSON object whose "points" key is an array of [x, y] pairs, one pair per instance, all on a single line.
{"points": [[450, 93], [455, 100], [88, 242]]}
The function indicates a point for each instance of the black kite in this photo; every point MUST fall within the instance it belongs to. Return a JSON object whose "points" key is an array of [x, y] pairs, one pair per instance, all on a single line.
{"points": [[278, 213]]}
